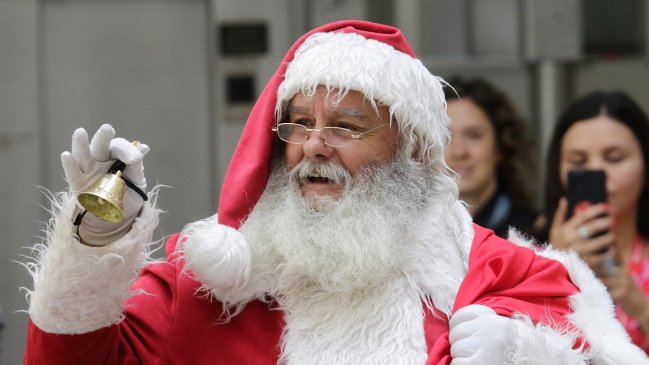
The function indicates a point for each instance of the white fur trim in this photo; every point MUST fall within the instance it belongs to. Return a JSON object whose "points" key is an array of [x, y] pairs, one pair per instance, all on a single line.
{"points": [[219, 257], [348, 61], [77, 288], [593, 311], [541, 345]]}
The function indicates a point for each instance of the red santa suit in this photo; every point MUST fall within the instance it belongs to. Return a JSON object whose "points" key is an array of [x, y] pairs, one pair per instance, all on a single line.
{"points": [[109, 305]]}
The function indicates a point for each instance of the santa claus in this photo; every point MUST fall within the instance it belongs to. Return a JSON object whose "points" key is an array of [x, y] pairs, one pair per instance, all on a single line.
{"points": [[339, 239]]}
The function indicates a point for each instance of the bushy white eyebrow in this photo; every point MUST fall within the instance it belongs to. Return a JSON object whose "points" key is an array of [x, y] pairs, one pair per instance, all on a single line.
{"points": [[297, 109], [352, 112], [356, 113]]}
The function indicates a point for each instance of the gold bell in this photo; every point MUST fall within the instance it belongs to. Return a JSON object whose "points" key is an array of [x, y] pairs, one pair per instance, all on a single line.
{"points": [[105, 199]]}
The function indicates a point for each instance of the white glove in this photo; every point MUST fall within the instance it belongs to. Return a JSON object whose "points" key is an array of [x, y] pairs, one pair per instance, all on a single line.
{"points": [[479, 336], [88, 163]]}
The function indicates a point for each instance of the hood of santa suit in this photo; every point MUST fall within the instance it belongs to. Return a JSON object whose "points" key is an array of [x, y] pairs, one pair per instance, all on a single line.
{"points": [[386, 70]]}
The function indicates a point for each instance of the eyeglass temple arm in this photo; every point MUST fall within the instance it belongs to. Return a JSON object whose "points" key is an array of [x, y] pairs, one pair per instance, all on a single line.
{"points": [[357, 136]]}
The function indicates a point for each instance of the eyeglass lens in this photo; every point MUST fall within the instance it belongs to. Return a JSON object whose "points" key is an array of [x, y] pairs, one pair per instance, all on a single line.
{"points": [[296, 133]]}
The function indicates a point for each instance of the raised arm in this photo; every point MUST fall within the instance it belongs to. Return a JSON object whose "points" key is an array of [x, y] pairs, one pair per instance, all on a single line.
{"points": [[82, 273]]}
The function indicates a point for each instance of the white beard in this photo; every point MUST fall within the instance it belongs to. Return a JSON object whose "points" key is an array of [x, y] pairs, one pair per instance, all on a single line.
{"points": [[340, 245], [334, 266]]}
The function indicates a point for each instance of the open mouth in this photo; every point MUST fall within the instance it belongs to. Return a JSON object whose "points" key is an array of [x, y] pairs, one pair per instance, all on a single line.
{"points": [[316, 178], [320, 175]]}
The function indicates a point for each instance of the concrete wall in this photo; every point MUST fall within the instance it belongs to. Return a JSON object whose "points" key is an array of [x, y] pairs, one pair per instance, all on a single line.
{"points": [[20, 163], [145, 66]]}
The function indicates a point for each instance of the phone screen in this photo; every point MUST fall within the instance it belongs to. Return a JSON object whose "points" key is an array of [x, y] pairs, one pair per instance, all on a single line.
{"points": [[585, 187]]}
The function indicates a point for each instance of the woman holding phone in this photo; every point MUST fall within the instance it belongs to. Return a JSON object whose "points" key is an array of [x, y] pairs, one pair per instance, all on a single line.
{"points": [[605, 131]]}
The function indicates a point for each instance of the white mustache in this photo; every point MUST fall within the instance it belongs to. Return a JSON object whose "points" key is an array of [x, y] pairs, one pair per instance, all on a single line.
{"points": [[329, 170]]}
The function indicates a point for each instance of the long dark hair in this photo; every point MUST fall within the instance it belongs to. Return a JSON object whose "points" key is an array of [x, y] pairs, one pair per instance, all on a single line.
{"points": [[617, 105], [517, 167]]}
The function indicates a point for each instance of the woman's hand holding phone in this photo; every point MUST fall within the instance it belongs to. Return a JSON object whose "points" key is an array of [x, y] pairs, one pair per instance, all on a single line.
{"points": [[588, 232], [582, 222]]}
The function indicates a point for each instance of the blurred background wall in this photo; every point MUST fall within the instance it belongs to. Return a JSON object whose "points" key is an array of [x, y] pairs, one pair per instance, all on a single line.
{"points": [[181, 75]]}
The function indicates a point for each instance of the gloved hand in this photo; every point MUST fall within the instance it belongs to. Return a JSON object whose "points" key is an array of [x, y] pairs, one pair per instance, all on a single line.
{"points": [[479, 336], [88, 163]]}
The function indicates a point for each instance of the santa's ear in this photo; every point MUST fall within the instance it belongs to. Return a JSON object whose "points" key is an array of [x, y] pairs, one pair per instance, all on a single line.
{"points": [[416, 153], [407, 146], [411, 148]]}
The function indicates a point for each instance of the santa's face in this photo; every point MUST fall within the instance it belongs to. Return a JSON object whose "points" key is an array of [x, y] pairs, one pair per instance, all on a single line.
{"points": [[353, 112]]}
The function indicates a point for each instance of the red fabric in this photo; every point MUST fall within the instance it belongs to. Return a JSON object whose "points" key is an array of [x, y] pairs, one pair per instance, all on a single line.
{"points": [[510, 280], [170, 325], [248, 171], [174, 326]]}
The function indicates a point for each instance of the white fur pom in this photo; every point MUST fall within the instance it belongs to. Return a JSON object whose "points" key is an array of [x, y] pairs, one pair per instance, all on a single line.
{"points": [[78, 288], [219, 257]]}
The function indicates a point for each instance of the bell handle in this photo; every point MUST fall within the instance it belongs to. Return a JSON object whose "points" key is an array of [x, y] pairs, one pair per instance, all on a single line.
{"points": [[116, 166], [120, 166]]}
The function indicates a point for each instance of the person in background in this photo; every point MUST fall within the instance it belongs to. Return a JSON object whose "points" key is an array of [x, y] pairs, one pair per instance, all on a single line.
{"points": [[339, 239], [492, 153], [606, 131]]}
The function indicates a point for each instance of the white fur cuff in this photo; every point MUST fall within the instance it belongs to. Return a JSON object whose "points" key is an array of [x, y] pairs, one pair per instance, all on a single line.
{"points": [[77, 288], [540, 345]]}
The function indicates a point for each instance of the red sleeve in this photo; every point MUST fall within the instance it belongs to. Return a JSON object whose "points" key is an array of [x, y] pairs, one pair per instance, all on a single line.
{"points": [[138, 339], [510, 279], [54, 349]]}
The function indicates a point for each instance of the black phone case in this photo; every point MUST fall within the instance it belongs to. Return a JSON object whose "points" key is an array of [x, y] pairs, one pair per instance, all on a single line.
{"points": [[585, 185]]}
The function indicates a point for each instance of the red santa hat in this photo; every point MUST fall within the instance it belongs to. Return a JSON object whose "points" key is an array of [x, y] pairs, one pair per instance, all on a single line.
{"points": [[372, 58]]}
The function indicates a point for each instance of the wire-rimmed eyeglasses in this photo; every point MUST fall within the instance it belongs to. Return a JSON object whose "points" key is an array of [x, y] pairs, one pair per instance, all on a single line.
{"points": [[332, 136]]}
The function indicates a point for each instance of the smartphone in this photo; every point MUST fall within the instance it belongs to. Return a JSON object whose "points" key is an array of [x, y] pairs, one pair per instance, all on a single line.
{"points": [[585, 187]]}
